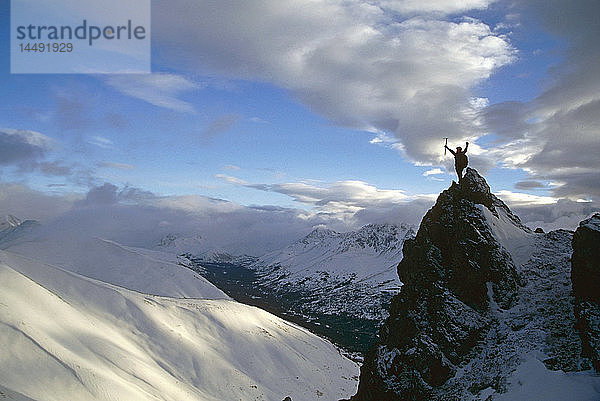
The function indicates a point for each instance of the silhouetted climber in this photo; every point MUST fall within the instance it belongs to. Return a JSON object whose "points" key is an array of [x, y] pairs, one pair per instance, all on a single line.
{"points": [[460, 160]]}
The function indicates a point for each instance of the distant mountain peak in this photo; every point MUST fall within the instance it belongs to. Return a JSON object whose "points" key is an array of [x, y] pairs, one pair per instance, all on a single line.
{"points": [[382, 237], [319, 233], [358, 266]]}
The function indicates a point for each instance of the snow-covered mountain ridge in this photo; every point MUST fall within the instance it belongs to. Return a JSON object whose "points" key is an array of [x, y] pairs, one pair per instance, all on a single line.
{"points": [[377, 238], [350, 272], [133, 268]]}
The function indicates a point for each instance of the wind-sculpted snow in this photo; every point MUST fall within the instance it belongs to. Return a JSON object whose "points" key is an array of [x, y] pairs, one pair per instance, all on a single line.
{"points": [[68, 337], [482, 295]]}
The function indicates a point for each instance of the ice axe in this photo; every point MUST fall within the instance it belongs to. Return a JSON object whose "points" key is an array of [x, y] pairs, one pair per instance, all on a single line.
{"points": [[446, 144]]}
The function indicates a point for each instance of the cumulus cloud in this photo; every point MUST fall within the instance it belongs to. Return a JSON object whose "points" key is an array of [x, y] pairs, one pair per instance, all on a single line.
{"points": [[28, 151], [351, 195], [433, 171], [408, 70], [434, 6], [384, 66], [554, 137], [140, 218], [349, 205], [159, 89], [516, 199], [102, 195]]}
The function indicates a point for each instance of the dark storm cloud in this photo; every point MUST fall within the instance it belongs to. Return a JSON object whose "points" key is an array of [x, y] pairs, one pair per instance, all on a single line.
{"points": [[529, 184], [555, 136]]}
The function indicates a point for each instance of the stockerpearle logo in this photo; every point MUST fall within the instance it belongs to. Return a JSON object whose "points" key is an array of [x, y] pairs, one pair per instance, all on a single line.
{"points": [[80, 36]]}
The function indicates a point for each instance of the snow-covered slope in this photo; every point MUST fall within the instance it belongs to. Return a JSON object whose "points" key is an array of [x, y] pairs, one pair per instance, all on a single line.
{"points": [[68, 337], [519, 242], [137, 269], [354, 268], [533, 346]]}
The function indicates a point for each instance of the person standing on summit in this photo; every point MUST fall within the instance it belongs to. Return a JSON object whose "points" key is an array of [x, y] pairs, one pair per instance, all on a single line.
{"points": [[460, 160]]}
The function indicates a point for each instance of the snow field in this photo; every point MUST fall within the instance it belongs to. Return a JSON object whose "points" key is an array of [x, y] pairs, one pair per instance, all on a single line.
{"points": [[66, 336]]}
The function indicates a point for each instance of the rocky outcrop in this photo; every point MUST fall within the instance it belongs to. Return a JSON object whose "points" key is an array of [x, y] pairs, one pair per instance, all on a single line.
{"points": [[455, 274], [585, 275]]}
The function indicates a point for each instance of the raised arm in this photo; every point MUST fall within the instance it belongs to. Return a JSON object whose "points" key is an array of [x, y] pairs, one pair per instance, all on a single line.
{"points": [[451, 151], [466, 147]]}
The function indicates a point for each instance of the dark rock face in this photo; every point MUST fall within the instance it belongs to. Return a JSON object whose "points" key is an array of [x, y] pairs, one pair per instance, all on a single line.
{"points": [[585, 275], [451, 272]]}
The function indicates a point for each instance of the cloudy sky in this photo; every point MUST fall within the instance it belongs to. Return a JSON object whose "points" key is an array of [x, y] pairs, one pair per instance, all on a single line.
{"points": [[288, 114]]}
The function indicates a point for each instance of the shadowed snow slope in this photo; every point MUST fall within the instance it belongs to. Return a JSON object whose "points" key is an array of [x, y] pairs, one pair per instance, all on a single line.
{"points": [[68, 337]]}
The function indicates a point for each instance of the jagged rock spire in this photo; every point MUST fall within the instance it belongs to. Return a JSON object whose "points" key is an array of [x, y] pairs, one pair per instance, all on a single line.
{"points": [[452, 271], [585, 275]]}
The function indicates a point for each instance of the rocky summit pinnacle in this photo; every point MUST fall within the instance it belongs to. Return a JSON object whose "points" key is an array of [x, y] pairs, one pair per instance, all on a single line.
{"points": [[460, 302], [456, 247]]}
